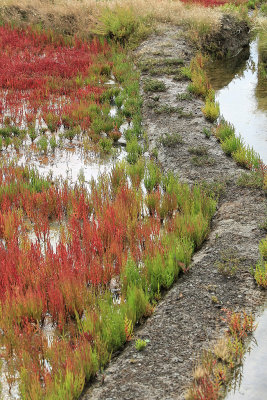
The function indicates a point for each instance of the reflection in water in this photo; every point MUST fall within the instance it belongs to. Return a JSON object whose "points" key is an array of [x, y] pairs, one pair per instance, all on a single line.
{"points": [[261, 95], [243, 101], [221, 73], [254, 380], [261, 92], [72, 164]]}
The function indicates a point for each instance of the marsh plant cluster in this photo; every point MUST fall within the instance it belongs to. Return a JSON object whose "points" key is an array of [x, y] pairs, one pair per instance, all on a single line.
{"points": [[141, 238], [55, 89]]}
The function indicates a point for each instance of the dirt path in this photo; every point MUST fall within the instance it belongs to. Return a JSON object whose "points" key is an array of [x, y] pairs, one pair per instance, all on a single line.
{"points": [[189, 317]]}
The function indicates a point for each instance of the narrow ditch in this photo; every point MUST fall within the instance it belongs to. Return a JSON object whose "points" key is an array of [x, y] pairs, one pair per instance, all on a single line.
{"points": [[242, 95]]}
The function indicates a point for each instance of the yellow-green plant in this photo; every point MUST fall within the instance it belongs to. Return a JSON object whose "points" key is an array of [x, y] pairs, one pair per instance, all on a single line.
{"points": [[232, 144], [260, 272], [247, 157], [200, 84], [211, 110], [140, 344]]}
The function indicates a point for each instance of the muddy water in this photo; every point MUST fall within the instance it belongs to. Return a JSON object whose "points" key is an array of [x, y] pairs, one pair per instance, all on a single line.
{"points": [[242, 96], [253, 375]]}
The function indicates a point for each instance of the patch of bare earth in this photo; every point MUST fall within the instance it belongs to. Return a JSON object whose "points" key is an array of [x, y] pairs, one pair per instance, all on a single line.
{"points": [[188, 319]]}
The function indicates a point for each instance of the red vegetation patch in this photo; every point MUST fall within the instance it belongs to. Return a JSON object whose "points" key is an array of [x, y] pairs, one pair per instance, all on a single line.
{"points": [[212, 3], [113, 235], [42, 76]]}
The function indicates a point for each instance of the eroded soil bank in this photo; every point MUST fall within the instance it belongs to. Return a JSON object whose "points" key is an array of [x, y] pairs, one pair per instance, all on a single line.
{"points": [[188, 319]]}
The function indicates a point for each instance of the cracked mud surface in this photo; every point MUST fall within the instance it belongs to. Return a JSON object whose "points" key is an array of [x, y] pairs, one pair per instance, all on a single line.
{"points": [[187, 320]]}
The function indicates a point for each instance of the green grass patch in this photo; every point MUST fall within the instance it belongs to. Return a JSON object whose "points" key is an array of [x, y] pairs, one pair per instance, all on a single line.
{"points": [[171, 139], [184, 96], [232, 144], [201, 161], [207, 132], [121, 24], [251, 179], [198, 150], [260, 271], [140, 344], [154, 85]]}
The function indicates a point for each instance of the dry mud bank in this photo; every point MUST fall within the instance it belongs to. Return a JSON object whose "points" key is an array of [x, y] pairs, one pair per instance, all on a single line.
{"points": [[188, 319]]}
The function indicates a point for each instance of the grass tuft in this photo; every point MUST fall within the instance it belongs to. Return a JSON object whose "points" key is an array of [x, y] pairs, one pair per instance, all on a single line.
{"points": [[140, 344], [154, 85], [171, 139], [211, 110]]}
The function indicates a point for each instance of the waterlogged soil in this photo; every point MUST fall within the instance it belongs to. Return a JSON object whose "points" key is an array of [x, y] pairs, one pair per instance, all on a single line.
{"points": [[70, 161], [73, 164], [189, 317]]}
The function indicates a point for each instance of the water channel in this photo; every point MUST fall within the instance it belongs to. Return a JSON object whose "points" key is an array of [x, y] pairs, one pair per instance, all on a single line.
{"points": [[242, 95]]}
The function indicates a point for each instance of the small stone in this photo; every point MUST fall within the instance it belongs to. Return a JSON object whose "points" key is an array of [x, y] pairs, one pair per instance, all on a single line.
{"points": [[122, 141]]}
